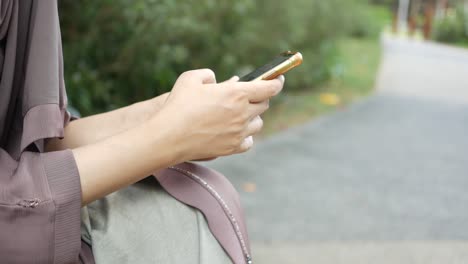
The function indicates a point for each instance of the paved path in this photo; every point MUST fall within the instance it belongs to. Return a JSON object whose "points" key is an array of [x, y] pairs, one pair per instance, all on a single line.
{"points": [[383, 181]]}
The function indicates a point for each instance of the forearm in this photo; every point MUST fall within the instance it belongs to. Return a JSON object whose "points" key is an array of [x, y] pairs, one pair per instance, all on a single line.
{"points": [[125, 158], [95, 128], [200, 120]]}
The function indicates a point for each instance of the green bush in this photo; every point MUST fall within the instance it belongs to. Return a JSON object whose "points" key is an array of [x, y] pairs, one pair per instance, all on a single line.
{"points": [[453, 28], [367, 21], [118, 52]]}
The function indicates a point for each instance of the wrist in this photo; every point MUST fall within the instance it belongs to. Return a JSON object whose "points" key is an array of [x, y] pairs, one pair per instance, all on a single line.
{"points": [[171, 133], [145, 110], [155, 104]]}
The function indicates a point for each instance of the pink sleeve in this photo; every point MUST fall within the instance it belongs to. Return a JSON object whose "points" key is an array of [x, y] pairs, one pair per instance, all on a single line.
{"points": [[40, 203]]}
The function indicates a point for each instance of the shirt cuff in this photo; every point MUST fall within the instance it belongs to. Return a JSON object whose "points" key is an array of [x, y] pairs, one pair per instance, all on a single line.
{"points": [[65, 187]]}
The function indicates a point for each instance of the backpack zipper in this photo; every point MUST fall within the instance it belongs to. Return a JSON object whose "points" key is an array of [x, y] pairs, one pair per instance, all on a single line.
{"points": [[225, 207]]}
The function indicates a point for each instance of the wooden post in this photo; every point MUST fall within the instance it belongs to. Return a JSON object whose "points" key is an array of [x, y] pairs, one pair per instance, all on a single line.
{"points": [[465, 7], [429, 12], [394, 7], [403, 7], [441, 8], [413, 16]]}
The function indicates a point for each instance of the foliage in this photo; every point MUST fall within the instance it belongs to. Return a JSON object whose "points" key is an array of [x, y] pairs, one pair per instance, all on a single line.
{"points": [[385, 2], [368, 20], [453, 27], [353, 78], [118, 52]]}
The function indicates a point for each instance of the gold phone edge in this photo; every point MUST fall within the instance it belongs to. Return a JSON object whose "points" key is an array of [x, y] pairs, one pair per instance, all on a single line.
{"points": [[285, 66]]}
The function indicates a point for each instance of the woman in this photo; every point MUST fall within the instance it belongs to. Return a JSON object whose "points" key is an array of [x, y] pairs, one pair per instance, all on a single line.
{"points": [[50, 167]]}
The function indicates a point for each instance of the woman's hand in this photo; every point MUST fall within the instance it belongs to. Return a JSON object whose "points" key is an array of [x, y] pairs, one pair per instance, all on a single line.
{"points": [[200, 119], [214, 120]]}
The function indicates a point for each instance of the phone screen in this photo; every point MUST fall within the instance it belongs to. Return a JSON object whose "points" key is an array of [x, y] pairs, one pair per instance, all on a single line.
{"points": [[259, 71]]}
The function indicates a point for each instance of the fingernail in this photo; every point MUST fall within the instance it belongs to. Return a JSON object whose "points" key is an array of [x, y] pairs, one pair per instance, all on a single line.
{"points": [[234, 78], [249, 139]]}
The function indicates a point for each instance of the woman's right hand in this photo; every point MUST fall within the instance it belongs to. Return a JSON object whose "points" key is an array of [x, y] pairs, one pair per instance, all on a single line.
{"points": [[216, 119]]}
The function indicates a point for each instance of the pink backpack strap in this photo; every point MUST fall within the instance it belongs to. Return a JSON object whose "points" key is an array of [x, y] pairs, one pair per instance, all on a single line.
{"points": [[212, 194]]}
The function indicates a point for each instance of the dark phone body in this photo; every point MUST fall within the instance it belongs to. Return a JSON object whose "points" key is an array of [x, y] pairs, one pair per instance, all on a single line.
{"points": [[279, 65]]}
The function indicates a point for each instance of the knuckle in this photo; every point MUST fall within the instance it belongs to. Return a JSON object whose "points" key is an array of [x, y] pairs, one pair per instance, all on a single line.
{"points": [[236, 113], [243, 149], [237, 129], [199, 72], [236, 142], [245, 119], [228, 108], [207, 72], [239, 140], [231, 92], [184, 74], [187, 74], [241, 94], [232, 148]]}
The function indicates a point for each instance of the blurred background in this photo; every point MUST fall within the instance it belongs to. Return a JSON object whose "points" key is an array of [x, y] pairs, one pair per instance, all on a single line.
{"points": [[364, 155], [119, 52]]}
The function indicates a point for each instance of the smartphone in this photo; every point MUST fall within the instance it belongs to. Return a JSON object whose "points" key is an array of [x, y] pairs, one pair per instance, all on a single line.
{"points": [[279, 65]]}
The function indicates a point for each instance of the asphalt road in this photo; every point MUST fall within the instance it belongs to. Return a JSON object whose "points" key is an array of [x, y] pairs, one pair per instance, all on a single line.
{"points": [[382, 181]]}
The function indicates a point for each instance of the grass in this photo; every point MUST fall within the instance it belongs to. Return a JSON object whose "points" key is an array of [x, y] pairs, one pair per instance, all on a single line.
{"points": [[460, 44], [354, 78]]}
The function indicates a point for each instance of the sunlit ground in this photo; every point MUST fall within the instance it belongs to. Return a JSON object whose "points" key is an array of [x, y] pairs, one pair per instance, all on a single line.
{"points": [[382, 180]]}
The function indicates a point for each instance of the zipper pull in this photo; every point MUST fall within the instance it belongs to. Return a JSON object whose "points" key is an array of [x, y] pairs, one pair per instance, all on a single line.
{"points": [[29, 203]]}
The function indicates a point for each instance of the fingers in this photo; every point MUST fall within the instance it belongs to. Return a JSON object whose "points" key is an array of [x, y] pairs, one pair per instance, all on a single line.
{"points": [[254, 126], [258, 91], [281, 79], [257, 109], [207, 159], [246, 144], [205, 76]]}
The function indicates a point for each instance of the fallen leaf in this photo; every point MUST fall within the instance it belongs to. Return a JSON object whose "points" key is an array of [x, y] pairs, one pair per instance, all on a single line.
{"points": [[329, 99], [249, 187]]}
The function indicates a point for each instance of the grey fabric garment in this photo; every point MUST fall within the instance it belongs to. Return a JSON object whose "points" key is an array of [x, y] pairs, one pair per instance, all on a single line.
{"points": [[143, 224]]}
